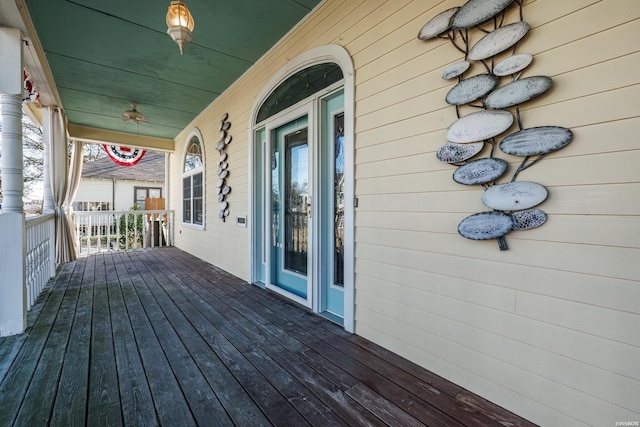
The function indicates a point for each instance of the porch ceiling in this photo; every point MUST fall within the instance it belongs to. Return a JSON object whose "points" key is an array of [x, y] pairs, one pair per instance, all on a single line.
{"points": [[104, 54]]}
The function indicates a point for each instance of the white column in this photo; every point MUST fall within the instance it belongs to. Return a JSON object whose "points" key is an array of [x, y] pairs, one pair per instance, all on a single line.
{"points": [[13, 294], [12, 179]]}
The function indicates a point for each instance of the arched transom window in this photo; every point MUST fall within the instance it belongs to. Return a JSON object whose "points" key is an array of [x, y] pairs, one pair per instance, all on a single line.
{"points": [[299, 86]]}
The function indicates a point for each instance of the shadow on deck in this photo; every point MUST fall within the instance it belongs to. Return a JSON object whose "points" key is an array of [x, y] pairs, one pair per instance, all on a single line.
{"points": [[159, 337]]}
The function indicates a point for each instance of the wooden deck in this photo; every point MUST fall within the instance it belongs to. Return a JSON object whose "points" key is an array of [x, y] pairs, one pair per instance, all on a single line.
{"points": [[158, 337]]}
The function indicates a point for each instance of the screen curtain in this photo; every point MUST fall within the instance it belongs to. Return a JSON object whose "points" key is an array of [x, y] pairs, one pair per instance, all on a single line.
{"points": [[64, 179]]}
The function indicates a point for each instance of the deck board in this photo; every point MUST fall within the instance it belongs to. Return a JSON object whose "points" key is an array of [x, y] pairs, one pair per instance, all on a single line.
{"points": [[169, 402], [159, 337], [104, 396], [274, 367], [318, 340], [167, 320], [17, 380], [44, 383], [70, 401], [138, 409], [237, 354]]}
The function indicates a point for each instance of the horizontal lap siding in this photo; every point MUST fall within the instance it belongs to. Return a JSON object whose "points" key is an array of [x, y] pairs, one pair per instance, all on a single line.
{"points": [[222, 243], [549, 328], [95, 191]]}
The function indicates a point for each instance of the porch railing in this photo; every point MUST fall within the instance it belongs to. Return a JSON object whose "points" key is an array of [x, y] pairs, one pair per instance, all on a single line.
{"points": [[40, 260], [103, 231]]}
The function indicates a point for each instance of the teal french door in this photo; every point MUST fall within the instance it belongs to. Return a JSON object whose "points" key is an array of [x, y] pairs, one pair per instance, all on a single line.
{"points": [[291, 208], [300, 189], [331, 186]]}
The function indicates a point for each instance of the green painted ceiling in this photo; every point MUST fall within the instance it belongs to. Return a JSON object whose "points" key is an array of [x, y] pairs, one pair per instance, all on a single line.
{"points": [[105, 53]]}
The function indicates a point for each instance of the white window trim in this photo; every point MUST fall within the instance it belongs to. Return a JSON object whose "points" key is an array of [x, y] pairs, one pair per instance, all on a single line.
{"points": [[338, 55], [194, 132]]}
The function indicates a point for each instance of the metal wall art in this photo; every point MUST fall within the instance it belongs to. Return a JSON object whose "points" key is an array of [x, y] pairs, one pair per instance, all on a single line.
{"points": [[222, 188], [512, 202]]}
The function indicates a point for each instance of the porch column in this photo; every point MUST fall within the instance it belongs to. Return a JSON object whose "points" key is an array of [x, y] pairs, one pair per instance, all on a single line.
{"points": [[13, 292]]}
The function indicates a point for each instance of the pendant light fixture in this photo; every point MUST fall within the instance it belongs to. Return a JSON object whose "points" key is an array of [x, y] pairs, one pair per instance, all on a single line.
{"points": [[180, 23]]}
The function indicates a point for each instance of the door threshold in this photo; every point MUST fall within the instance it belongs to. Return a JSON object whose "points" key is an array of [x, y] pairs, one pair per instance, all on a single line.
{"points": [[332, 317], [260, 285]]}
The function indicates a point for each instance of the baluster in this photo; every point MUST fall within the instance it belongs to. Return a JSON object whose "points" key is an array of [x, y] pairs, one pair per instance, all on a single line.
{"points": [[117, 219]]}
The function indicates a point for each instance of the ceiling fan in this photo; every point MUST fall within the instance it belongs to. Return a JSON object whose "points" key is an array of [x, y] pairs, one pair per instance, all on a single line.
{"points": [[133, 115]]}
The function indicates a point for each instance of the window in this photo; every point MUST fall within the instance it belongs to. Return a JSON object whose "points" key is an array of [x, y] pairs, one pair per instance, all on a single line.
{"points": [[141, 193], [301, 85], [91, 206], [193, 181]]}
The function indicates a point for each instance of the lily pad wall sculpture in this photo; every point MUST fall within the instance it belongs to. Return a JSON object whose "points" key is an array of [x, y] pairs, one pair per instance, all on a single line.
{"points": [[222, 188], [478, 29]]}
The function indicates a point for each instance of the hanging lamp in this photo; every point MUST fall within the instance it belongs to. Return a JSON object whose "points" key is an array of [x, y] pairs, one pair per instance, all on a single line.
{"points": [[180, 23]]}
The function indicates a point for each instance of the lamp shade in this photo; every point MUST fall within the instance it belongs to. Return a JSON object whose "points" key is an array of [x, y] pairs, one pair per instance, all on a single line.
{"points": [[180, 23]]}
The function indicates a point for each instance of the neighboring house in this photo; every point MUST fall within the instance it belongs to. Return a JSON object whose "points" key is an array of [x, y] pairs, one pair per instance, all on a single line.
{"points": [[105, 185]]}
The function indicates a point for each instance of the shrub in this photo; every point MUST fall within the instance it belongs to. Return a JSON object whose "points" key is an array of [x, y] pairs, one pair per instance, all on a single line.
{"points": [[130, 229]]}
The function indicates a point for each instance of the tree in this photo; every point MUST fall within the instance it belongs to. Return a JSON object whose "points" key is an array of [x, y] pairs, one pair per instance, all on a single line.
{"points": [[33, 156], [33, 150], [91, 152]]}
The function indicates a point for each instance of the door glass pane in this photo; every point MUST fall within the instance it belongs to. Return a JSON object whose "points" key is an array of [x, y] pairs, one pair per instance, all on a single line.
{"points": [[259, 197], [338, 201], [155, 193], [275, 194], [296, 202], [289, 162]]}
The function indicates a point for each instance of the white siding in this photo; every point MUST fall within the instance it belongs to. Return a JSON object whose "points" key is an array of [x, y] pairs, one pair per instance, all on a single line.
{"points": [[124, 195], [95, 190], [102, 190]]}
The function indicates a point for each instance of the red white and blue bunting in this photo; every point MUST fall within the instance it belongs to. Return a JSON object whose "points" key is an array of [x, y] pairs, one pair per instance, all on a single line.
{"points": [[30, 92], [124, 156]]}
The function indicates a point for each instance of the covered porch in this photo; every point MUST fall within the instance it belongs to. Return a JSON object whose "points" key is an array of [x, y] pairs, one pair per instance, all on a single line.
{"points": [[160, 337], [335, 109], [88, 66]]}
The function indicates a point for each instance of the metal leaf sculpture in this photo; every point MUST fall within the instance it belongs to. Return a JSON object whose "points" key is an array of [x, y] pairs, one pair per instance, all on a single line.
{"points": [[480, 171], [452, 152], [469, 134], [223, 172], [471, 89]]}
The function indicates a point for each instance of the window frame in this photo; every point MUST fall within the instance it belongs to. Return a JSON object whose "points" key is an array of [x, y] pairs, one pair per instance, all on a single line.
{"points": [[89, 205], [190, 175], [135, 193]]}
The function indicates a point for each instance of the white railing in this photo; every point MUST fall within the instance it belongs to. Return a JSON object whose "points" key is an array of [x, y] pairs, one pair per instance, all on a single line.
{"points": [[102, 231], [40, 260]]}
